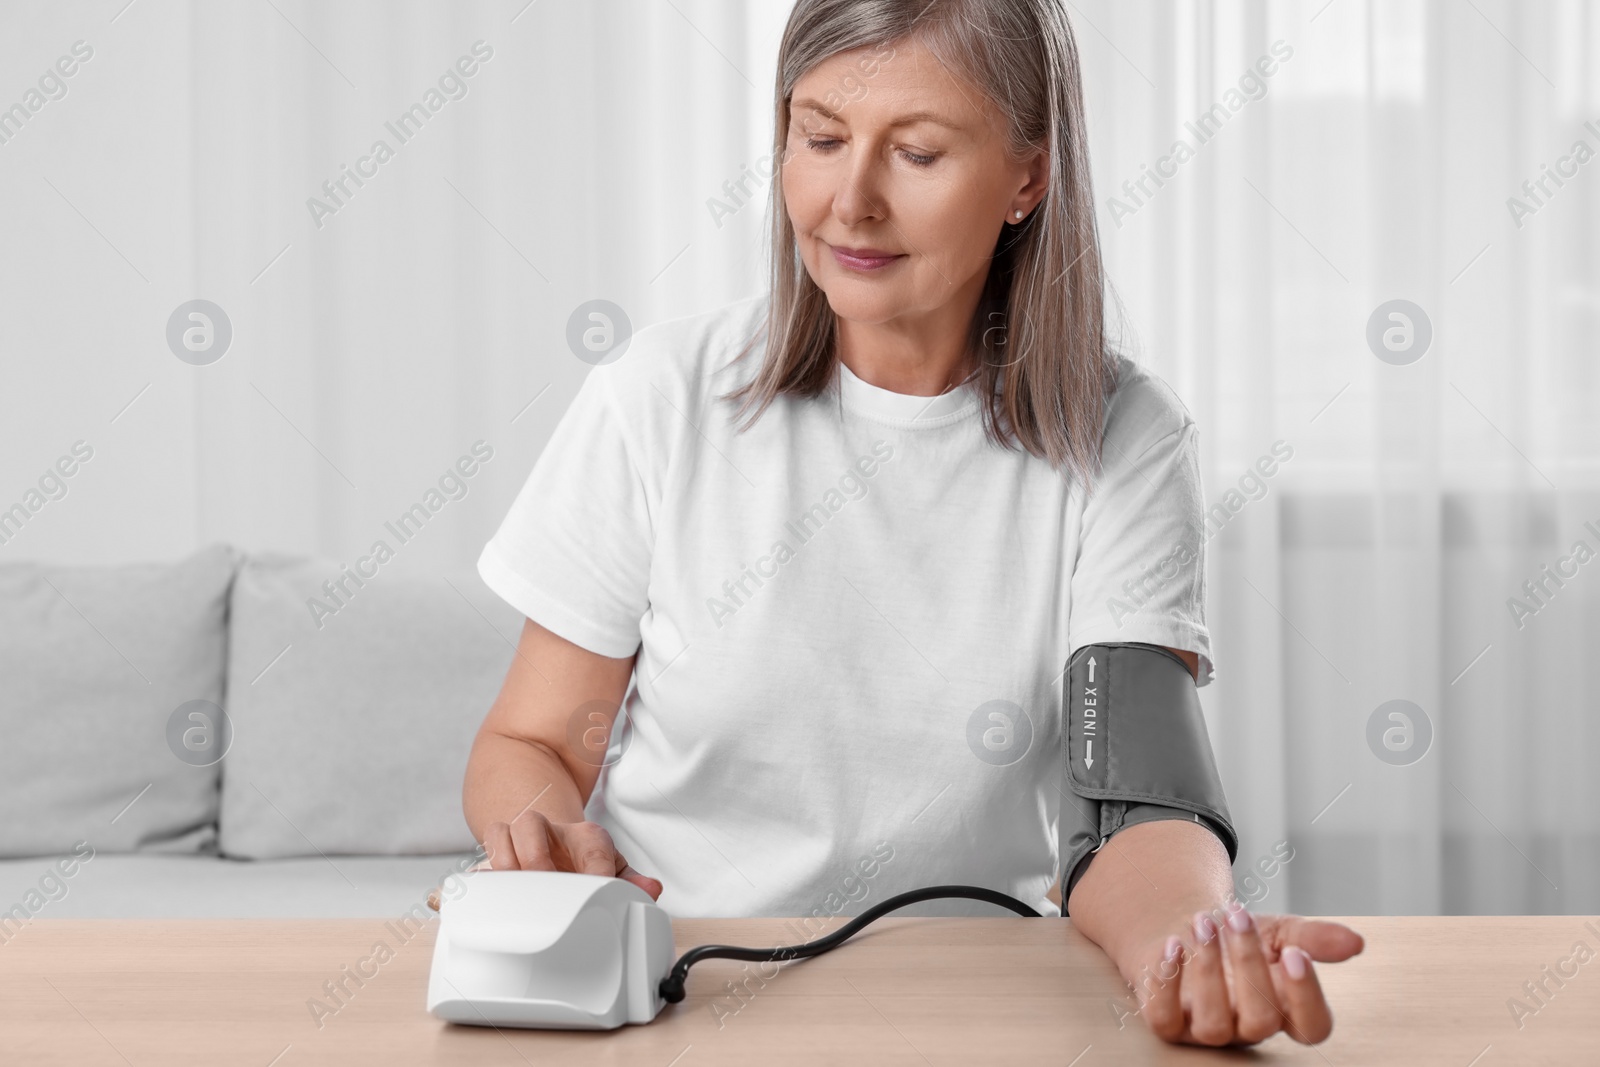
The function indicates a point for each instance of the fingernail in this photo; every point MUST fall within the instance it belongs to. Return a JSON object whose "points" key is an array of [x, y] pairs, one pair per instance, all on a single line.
{"points": [[1294, 962], [1204, 928], [1174, 946], [1241, 921]]}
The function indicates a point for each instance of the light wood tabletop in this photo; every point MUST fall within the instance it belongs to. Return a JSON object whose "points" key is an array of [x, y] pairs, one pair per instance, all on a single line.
{"points": [[905, 991]]}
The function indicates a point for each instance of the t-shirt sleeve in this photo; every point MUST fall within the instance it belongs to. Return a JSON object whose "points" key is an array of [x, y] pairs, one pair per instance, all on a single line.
{"points": [[1140, 571], [573, 553]]}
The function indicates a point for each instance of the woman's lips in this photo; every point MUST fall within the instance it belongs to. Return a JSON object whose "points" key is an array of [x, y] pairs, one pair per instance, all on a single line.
{"points": [[864, 258]]}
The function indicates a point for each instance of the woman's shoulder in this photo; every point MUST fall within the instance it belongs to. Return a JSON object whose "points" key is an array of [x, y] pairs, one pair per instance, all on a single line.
{"points": [[682, 359], [1142, 410]]}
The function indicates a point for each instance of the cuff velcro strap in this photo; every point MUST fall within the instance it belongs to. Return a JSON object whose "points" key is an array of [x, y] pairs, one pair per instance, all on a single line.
{"points": [[1136, 733]]}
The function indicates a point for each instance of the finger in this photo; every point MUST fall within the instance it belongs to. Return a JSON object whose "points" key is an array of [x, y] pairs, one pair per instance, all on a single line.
{"points": [[1311, 1020], [1329, 942], [1205, 988], [650, 885], [1325, 941], [1163, 1008], [530, 834], [1257, 1012], [589, 848], [497, 843]]}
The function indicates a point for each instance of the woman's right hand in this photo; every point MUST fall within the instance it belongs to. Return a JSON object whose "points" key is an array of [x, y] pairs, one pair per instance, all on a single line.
{"points": [[532, 842]]}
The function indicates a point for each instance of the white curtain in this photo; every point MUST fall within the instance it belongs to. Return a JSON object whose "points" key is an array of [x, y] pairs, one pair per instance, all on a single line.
{"points": [[374, 345], [1375, 164], [430, 310]]}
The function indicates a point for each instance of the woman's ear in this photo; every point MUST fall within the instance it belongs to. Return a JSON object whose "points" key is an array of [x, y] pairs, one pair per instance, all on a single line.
{"points": [[1037, 183]]}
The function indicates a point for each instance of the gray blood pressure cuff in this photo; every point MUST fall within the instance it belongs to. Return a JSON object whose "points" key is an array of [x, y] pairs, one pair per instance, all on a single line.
{"points": [[1137, 750]]}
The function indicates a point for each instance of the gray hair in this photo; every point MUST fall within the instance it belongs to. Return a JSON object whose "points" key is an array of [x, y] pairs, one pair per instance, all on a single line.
{"points": [[1039, 335]]}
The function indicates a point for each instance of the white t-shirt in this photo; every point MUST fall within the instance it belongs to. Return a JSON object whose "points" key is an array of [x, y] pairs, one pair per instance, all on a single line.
{"points": [[851, 620]]}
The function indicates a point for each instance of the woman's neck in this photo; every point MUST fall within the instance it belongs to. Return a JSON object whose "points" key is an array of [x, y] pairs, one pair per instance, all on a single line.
{"points": [[924, 357]]}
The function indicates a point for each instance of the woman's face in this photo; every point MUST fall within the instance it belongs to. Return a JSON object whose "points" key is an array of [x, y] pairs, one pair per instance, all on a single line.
{"points": [[889, 156]]}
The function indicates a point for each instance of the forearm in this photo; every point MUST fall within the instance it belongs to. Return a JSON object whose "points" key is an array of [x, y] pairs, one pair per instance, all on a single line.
{"points": [[507, 776], [1146, 882], [519, 759]]}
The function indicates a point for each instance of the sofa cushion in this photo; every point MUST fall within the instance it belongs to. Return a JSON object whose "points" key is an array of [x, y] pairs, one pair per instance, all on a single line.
{"points": [[148, 886], [354, 706], [103, 671]]}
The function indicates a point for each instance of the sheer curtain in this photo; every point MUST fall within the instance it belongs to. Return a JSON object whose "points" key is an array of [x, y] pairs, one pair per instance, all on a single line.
{"points": [[429, 310], [1375, 512], [1383, 560]]}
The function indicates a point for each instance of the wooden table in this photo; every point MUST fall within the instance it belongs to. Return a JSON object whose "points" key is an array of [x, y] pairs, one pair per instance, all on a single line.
{"points": [[906, 991]]}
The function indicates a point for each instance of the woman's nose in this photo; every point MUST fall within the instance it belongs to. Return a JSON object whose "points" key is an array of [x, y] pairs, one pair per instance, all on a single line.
{"points": [[859, 193]]}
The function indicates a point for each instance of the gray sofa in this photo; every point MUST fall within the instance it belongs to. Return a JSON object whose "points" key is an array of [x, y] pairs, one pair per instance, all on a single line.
{"points": [[237, 735]]}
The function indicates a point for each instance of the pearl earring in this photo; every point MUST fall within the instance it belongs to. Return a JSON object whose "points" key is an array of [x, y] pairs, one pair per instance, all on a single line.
{"points": [[1019, 214]]}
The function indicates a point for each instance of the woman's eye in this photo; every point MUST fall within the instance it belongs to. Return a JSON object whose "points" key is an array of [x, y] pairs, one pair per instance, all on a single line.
{"points": [[823, 144]]}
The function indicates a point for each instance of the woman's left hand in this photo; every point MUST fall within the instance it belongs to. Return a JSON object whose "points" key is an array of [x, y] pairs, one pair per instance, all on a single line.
{"points": [[1245, 985]]}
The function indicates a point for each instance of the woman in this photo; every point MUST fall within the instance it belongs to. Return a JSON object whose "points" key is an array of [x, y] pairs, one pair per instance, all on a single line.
{"points": [[844, 535]]}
